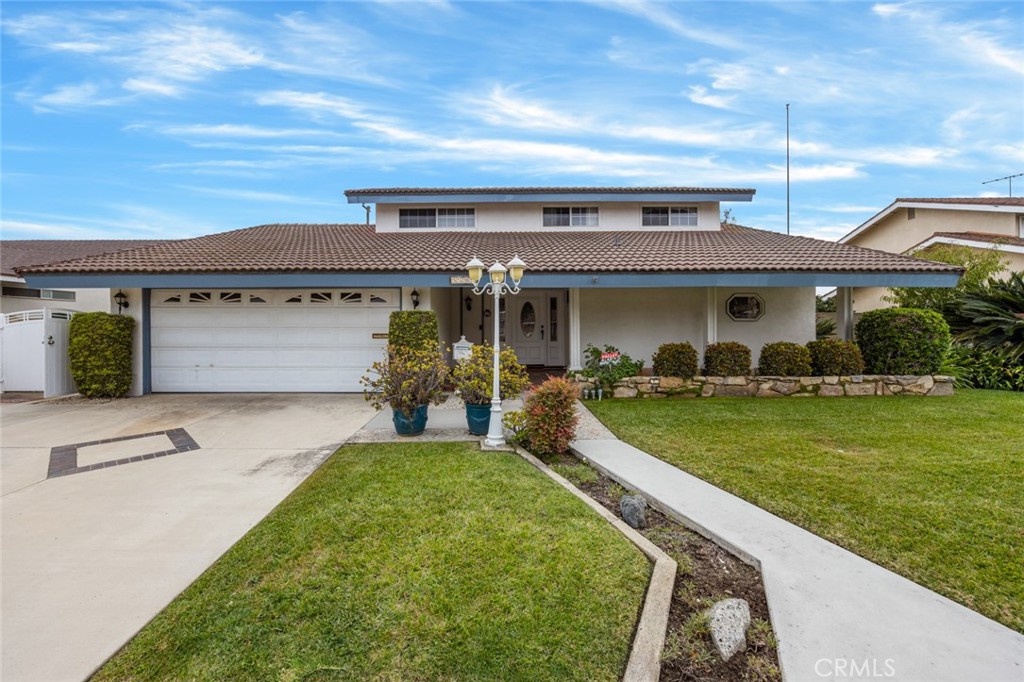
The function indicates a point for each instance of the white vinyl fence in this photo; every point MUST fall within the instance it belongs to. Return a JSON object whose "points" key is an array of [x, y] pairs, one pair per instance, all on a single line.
{"points": [[34, 352]]}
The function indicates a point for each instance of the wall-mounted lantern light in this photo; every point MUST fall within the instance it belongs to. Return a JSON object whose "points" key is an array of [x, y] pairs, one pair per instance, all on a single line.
{"points": [[415, 296], [121, 300]]}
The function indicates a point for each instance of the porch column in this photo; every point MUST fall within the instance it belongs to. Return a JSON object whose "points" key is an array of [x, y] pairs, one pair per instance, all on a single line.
{"points": [[844, 313], [575, 343], [710, 316]]}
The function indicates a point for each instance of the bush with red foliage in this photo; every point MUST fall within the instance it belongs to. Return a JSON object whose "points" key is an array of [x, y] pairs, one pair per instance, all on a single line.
{"points": [[551, 416]]}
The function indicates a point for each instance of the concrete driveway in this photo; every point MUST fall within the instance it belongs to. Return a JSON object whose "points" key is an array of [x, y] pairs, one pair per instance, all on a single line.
{"points": [[99, 536]]}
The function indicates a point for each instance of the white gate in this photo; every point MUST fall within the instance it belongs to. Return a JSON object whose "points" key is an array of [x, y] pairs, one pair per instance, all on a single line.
{"points": [[34, 352]]}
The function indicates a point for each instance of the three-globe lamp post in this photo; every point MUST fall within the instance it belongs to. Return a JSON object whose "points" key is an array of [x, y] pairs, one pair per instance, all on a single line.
{"points": [[497, 286]]}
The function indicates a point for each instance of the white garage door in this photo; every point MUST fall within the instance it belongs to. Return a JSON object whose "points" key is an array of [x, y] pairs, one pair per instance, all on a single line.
{"points": [[281, 340]]}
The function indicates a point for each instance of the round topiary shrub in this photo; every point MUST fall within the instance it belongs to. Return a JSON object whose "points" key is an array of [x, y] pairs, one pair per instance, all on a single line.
{"points": [[832, 357], [675, 360], [413, 329], [902, 340], [100, 354], [784, 358], [726, 359]]}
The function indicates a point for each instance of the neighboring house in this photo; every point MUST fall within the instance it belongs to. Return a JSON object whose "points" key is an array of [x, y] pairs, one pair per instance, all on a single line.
{"points": [[909, 225], [306, 307], [21, 253]]}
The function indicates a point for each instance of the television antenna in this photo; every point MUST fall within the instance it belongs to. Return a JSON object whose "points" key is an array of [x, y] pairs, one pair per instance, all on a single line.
{"points": [[1008, 178]]}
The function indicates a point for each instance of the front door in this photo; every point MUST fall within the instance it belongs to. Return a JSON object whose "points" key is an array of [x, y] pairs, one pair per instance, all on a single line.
{"points": [[535, 328]]}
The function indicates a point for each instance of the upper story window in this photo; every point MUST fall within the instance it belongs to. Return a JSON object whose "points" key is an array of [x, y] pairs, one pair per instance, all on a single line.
{"points": [[570, 216], [437, 217], [52, 294], [659, 216]]}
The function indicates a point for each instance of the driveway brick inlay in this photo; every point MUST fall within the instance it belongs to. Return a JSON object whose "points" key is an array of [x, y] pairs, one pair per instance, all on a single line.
{"points": [[64, 458]]}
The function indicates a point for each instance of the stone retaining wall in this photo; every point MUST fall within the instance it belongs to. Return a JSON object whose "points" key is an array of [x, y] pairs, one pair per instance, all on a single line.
{"points": [[776, 387]]}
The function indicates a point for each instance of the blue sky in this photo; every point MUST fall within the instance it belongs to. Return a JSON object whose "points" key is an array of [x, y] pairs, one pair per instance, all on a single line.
{"points": [[155, 120]]}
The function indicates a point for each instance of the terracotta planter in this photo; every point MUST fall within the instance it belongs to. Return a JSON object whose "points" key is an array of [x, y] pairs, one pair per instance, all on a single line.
{"points": [[404, 426]]}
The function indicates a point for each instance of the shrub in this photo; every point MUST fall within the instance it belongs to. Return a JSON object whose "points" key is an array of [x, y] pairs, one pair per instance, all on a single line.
{"points": [[405, 379], [975, 367], [991, 316], [833, 357], [413, 329], [474, 376], [607, 372], [675, 360], [726, 359], [824, 327], [551, 416], [784, 358], [902, 340], [100, 354]]}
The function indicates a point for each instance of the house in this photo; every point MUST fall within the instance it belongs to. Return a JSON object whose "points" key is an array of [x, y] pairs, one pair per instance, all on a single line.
{"points": [[34, 320], [908, 226], [306, 307], [21, 253]]}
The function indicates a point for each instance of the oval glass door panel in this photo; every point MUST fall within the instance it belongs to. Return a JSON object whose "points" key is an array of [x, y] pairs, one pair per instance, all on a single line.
{"points": [[528, 320]]}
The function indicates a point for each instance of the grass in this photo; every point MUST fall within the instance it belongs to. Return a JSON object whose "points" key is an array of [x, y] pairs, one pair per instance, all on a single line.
{"points": [[931, 488], [407, 562]]}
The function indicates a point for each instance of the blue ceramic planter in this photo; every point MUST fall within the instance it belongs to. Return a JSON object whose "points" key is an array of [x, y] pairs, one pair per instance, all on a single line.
{"points": [[478, 418], [410, 427]]}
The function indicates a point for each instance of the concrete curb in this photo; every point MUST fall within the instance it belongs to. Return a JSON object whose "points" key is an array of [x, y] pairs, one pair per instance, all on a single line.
{"points": [[645, 656]]}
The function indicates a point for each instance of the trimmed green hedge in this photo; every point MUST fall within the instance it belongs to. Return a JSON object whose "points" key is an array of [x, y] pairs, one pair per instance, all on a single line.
{"points": [[726, 359], [675, 360], [415, 329], [100, 354], [902, 340], [784, 358], [832, 357]]}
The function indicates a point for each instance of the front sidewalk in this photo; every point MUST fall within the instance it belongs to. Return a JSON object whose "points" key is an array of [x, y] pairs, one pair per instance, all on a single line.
{"points": [[836, 615]]}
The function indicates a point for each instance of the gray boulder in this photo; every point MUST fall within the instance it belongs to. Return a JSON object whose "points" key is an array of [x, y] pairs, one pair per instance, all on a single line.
{"points": [[730, 619], [634, 510]]}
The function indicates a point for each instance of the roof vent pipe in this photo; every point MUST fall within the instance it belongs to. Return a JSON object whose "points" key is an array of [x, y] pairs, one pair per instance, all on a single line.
{"points": [[366, 207]]}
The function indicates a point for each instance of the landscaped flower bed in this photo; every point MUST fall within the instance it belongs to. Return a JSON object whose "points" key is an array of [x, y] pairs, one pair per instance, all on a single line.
{"points": [[772, 386]]}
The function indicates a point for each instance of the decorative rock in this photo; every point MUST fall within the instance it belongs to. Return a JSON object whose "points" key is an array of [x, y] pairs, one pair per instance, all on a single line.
{"points": [[830, 380], [672, 383], [944, 388], [625, 392], [707, 391], [634, 510], [785, 387], [921, 386], [715, 380], [735, 381], [810, 381], [830, 391], [730, 619], [733, 391]]}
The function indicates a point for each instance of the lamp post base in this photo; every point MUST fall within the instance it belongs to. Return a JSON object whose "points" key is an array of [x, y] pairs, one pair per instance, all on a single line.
{"points": [[495, 434]]}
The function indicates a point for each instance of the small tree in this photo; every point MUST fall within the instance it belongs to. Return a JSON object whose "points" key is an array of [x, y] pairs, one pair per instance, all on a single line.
{"points": [[978, 266], [991, 317]]}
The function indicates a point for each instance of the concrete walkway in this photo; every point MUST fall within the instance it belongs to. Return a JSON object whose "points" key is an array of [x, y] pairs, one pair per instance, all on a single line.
{"points": [[837, 616]]}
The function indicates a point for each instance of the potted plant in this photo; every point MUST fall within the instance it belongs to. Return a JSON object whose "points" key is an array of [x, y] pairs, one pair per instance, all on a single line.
{"points": [[407, 380], [474, 379]]}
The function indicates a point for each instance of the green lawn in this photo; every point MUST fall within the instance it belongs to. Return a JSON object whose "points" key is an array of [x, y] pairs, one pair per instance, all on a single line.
{"points": [[407, 562], [932, 488]]}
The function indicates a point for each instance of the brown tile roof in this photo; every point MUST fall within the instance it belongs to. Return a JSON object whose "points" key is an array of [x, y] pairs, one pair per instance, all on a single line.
{"points": [[21, 253], [987, 237], [355, 248], [980, 201], [544, 190]]}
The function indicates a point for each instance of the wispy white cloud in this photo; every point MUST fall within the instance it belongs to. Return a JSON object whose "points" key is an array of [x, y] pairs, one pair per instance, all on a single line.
{"points": [[992, 41], [672, 19], [255, 195], [235, 131], [71, 96], [700, 95], [315, 104], [146, 86]]}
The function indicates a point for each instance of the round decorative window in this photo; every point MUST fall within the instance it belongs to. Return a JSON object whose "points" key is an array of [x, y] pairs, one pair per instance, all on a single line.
{"points": [[528, 320], [745, 307]]}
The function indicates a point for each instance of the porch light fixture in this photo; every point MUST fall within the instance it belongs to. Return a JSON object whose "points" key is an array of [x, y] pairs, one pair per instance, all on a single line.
{"points": [[415, 296], [121, 300], [497, 286]]}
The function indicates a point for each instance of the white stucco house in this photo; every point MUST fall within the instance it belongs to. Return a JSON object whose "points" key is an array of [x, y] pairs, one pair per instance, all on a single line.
{"points": [[910, 226], [306, 307]]}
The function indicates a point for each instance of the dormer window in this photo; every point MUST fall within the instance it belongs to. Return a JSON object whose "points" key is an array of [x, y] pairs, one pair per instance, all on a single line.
{"points": [[665, 216], [570, 216], [437, 217]]}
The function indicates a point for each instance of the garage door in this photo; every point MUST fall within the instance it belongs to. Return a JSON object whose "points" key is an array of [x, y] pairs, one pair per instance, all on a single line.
{"points": [[282, 340]]}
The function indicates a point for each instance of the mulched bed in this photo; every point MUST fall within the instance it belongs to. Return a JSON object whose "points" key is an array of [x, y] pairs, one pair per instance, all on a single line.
{"points": [[707, 573]]}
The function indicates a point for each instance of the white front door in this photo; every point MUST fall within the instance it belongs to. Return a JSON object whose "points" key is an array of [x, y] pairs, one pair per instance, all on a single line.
{"points": [[283, 340], [535, 328]]}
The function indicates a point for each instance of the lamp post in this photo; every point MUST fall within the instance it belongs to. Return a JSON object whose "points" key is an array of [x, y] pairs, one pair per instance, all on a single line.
{"points": [[497, 286]]}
